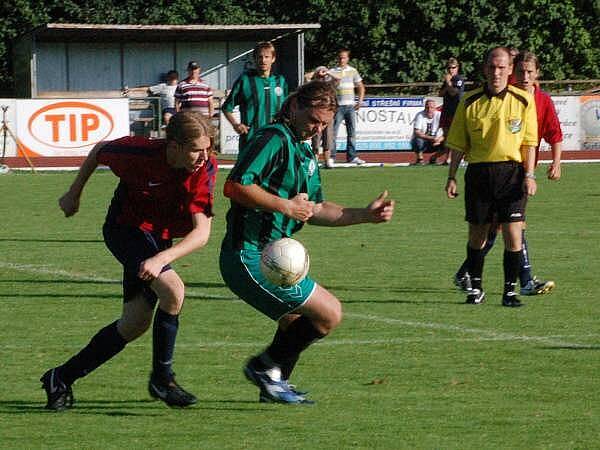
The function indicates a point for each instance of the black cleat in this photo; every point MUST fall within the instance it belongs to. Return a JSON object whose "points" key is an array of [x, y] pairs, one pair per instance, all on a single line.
{"points": [[511, 300], [170, 393], [60, 395], [463, 282], [475, 297]]}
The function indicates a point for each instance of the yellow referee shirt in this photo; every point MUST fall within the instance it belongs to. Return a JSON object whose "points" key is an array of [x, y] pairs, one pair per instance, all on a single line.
{"points": [[492, 128]]}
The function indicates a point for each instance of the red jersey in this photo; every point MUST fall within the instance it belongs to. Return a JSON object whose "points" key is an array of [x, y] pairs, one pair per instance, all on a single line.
{"points": [[152, 195], [548, 123]]}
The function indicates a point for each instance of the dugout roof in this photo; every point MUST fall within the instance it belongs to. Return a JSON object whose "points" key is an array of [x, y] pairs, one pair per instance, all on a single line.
{"points": [[76, 59], [78, 32]]}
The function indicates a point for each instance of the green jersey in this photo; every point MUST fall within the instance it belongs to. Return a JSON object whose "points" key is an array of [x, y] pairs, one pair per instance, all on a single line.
{"points": [[278, 162], [259, 99]]}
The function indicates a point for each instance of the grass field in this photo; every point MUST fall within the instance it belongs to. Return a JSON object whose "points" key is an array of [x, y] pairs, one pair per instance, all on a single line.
{"points": [[411, 366]]}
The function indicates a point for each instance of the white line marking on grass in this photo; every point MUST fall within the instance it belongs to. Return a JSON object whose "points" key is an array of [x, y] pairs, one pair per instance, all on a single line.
{"points": [[45, 270], [483, 334]]}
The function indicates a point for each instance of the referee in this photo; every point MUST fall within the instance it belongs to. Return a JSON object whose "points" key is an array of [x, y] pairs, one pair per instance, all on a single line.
{"points": [[495, 128]]}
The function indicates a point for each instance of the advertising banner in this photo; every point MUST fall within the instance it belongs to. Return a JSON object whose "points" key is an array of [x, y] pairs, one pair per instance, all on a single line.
{"points": [[590, 122], [386, 124], [69, 127], [383, 123], [229, 139], [567, 109]]}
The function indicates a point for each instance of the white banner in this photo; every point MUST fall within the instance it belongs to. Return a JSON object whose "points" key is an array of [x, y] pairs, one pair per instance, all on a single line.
{"points": [[229, 139], [387, 124], [383, 124], [590, 122], [69, 127], [567, 109]]}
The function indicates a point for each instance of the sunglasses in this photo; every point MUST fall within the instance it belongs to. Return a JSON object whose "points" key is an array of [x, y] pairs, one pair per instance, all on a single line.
{"points": [[451, 67]]}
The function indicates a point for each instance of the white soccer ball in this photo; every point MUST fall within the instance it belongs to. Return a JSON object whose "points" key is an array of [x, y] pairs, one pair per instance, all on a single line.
{"points": [[284, 262]]}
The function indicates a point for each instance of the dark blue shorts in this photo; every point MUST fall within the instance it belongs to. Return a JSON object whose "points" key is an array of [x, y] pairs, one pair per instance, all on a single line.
{"points": [[131, 246], [171, 111]]}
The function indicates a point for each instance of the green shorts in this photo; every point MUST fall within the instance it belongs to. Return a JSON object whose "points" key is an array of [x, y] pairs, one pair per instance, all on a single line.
{"points": [[241, 272]]}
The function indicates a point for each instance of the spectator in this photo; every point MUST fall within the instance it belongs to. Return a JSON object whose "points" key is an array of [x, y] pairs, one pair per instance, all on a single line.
{"points": [[166, 91], [193, 94], [323, 139], [452, 90], [427, 132], [350, 81], [495, 127], [259, 94]]}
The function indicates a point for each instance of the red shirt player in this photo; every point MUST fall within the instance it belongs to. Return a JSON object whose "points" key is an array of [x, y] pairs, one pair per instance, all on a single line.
{"points": [[165, 191]]}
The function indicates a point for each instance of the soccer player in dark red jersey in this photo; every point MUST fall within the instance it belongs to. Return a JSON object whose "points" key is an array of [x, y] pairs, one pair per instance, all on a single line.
{"points": [[165, 191]]}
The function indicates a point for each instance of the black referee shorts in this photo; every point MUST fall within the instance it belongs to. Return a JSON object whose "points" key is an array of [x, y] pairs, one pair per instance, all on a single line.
{"points": [[495, 189]]}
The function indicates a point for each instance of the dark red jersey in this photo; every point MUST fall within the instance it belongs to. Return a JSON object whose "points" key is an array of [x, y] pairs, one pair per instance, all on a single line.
{"points": [[151, 195]]}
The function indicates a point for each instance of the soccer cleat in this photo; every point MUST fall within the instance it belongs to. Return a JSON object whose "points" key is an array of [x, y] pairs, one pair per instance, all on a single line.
{"points": [[356, 160], [511, 300], [537, 287], [170, 392], [330, 163], [475, 296], [433, 160], [272, 388], [60, 395], [463, 283]]}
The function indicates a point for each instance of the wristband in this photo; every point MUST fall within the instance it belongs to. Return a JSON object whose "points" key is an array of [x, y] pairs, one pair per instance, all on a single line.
{"points": [[451, 179], [530, 175]]}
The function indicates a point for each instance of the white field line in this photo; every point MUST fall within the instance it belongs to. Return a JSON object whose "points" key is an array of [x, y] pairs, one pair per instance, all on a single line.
{"points": [[480, 334], [45, 270]]}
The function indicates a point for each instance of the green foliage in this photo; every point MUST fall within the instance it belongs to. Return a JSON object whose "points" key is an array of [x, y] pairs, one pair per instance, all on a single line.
{"points": [[391, 40]]}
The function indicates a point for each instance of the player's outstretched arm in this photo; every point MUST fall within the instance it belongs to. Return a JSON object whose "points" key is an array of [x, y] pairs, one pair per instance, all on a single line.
{"points": [[253, 196], [195, 239], [69, 202], [330, 214]]}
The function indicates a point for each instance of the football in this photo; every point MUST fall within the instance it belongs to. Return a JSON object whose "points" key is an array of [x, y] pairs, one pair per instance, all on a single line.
{"points": [[284, 262]]}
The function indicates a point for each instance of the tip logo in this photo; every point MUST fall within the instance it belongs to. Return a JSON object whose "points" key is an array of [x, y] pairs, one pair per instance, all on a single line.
{"points": [[70, 124]]}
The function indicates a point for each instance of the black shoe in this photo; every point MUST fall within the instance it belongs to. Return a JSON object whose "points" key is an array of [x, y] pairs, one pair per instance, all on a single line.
{"points": [[475, 297], [463, 282], [60, 395], [511, 300], [170, 393], [432, 160]]}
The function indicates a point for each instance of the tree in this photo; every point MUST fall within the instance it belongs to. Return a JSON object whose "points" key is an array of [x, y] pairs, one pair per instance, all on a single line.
{"points": [[391, 40]]}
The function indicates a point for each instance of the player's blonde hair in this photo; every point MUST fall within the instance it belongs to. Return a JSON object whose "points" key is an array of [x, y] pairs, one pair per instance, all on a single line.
{"points": [[187, 126]]}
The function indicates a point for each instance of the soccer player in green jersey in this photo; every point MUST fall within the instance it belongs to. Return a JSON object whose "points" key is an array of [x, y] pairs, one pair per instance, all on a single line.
{"points": [[259, 94], [275, 188]]}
